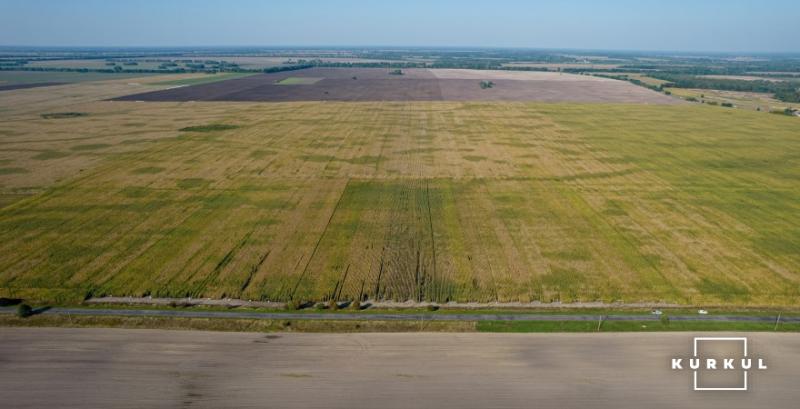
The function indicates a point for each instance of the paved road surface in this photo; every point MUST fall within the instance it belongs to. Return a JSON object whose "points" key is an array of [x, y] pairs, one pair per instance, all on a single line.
{"points": [[114, 368], [404, 317]]}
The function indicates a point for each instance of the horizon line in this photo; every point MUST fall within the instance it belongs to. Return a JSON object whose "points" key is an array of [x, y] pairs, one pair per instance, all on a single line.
{"points": [[401, 47]]}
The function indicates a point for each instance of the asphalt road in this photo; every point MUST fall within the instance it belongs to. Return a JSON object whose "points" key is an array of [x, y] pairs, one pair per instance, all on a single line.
{"points": [[403, 317], [114, 368]]}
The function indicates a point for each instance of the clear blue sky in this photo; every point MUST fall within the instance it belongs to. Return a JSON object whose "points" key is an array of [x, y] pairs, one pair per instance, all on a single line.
{"points": [[687, 25]]}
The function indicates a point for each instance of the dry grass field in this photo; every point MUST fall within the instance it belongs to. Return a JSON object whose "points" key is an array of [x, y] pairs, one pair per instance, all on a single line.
{"points": [[443, 201]]}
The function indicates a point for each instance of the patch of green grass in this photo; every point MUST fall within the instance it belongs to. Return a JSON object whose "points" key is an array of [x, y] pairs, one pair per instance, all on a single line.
{"points": [[358, 160], [13, 171], [421, 150], [193, 183], [209, 128], [299, 81], [536, 326], [262, 153], [725, 289], [363, 160], [238, 325], [47, 155], [629, 326], [149, 170], [333, 326], [135, 192], [89, 147]]}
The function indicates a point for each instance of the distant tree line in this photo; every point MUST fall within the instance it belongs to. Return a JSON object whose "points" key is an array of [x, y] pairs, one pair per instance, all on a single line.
{"points": [[118, 69], [721, 67], [657, 88], [283, 68], [782, 90], [115, 70]]}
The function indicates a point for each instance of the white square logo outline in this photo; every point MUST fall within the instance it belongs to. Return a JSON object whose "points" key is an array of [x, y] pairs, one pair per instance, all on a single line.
{"points": [[694, 354]]}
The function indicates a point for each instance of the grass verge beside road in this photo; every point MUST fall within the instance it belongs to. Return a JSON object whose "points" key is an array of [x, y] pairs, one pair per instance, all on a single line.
{"points": [[408, 321], [234, 325], [629, 326]]}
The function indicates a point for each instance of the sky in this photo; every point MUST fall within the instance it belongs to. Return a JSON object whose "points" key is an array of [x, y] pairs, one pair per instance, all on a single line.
{"points": [[654, 25]]}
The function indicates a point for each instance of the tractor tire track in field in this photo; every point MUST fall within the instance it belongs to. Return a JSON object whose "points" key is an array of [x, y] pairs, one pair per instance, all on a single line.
{"points": [[319, 240], [226, 260], [253, 270], [434, 282]]}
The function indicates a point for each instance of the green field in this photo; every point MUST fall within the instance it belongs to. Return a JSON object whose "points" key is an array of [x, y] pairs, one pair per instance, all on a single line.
{"points": [[92, 64], [30, 77], [299, 81], [440, 201]]}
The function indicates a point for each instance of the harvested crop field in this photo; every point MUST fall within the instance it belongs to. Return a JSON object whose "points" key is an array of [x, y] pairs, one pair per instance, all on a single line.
{"points": [[442, 201], [375, 84]]}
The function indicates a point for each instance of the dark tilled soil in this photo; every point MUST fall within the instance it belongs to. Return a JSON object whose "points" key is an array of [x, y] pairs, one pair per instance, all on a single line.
{"points": [[375, 84], [551, 91], [343, 90], [11, 87]]}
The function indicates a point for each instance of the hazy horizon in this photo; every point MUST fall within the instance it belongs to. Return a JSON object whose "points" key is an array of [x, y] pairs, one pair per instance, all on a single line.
{"points": [[290, 47], [713, 26]]}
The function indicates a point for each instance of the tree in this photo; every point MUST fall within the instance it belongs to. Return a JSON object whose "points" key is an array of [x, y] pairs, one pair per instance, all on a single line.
{"points": [[24, 311]]}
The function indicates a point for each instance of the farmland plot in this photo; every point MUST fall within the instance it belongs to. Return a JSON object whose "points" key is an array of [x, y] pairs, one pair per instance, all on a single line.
{"points": [[442, 201]]}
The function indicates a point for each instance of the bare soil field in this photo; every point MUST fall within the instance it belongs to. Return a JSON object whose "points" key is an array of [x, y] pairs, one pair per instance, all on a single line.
{"points": [[99, 368], [557, 66], [459, 74], [373, 84], [31, 85]]}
